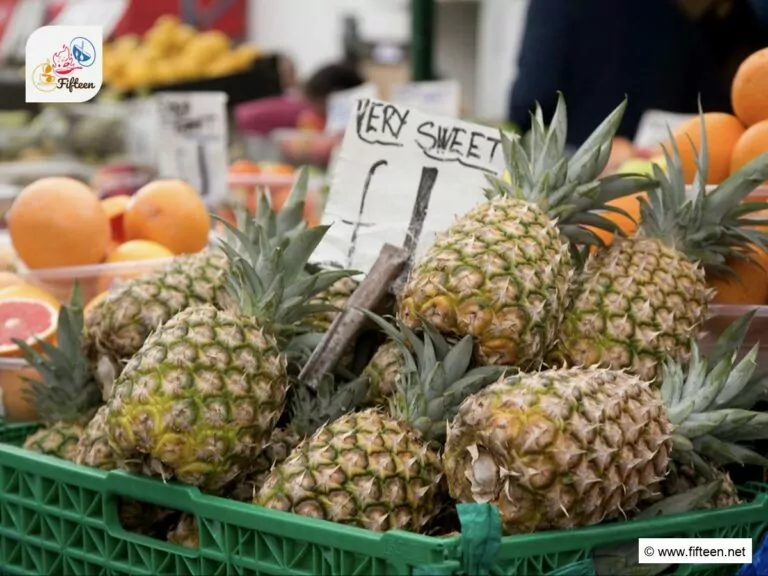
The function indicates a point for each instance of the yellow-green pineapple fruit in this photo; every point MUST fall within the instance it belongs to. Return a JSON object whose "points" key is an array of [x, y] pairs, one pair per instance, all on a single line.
{"points": [[200, 399], [641, 300], [503, 272], [559, 449], [336, 296], [382, 372], [68, 394], [379, 470], [118, 326]]}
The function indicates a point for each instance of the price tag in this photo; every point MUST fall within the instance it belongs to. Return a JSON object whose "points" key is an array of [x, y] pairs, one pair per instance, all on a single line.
{"points": [[402, 176], [653, 127], [442, 97], [193, 141], [341, 104]]}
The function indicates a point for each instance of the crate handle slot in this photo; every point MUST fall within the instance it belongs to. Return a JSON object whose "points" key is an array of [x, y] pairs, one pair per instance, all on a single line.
{"points": [[153, 491]]}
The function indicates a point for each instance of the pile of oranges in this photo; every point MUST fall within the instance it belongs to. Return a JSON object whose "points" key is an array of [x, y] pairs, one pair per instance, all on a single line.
{"points": [[59, 223]]}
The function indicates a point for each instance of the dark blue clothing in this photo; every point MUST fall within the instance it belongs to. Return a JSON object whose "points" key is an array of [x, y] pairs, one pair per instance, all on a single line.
{"points": [[598, 51]]}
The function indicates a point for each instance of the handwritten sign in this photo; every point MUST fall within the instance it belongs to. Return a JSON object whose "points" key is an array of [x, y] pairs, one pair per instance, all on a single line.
{"points": [[341, 104], [193, 140], [402, 176], [442, 97], [653, 127]]}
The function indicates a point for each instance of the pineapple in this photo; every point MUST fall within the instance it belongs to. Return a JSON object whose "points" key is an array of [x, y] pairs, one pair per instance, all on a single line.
{"points": [[119, 325], [335, 296], [643, 299], [382, 372], [682, 478], [308, 411], [380, 470], [564, 448], [503, 272], [68, 394], [185, 533], [200, 398]]}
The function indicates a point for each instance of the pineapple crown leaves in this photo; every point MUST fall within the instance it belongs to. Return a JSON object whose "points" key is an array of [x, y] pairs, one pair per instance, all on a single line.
{"points": [[289, 220], [311, 409], [708, 226], [268, 280], [709, 402], [68, 390], [435, 378], [569, 190]]}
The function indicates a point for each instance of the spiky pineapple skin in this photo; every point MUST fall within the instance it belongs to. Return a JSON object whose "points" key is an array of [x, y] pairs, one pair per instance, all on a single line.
{"points": [[200, 398], [118, 327], [365, 469], [338, 294], [501, 273], [185, 533], [639, 304], [58, 440], [382, 372], [559, 449]]}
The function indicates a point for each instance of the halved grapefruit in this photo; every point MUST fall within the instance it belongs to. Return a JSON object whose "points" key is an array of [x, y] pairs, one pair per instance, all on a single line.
{"points": [[25, 319], [29, 292]]}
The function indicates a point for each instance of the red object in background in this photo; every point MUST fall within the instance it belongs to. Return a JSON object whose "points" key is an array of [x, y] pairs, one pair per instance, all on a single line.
{"points": [[54, 8], [229, 16], [6, 11]]}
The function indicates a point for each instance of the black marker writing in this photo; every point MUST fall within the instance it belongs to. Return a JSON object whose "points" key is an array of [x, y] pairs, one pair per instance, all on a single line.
{"points": [[420, 208], [456, 144], [380, 123], [359, 223]]}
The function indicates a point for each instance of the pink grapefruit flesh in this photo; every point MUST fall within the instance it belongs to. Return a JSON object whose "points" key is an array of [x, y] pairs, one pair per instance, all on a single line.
{"points": [[27, 320]]}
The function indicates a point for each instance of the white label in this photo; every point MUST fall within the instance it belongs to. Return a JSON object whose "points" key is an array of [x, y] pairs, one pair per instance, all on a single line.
{"points": [[654, 126], [694, 550], [442, 97], [193, 141], [141, 130], [341, 105], [64, 64], [402, 176]]}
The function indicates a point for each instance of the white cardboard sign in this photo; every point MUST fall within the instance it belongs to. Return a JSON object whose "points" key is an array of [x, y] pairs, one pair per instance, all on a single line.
{"points": [[341, 105], [402, 176], [193, 140], [653, 127], [441, 97]]}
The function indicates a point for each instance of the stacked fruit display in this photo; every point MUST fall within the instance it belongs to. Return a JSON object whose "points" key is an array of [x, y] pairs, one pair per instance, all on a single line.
{"points": [[61, 232], [170, 53], [564, 387]]}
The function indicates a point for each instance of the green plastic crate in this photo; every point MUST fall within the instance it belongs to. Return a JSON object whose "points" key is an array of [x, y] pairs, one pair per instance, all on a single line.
{"points": [[59, 518]]}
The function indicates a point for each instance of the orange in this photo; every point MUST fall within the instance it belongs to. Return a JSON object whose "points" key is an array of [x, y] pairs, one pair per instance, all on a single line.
{"points": [[12, 394], [58, 222], [244, 167], [115, 208], [171, 213], [749, 90], [25, 319], [131, 251], [278, 168], [751, 286], [723, 131], [27, 291], [630, 205], [753, 143], [9, 279]]}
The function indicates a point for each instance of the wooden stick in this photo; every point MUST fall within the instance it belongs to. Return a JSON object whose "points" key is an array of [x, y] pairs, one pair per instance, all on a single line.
{"points": [[371, 291]]}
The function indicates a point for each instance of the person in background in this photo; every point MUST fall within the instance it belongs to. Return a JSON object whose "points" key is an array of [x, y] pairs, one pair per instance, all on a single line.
{"points": [[292, 108], [660, 54]]}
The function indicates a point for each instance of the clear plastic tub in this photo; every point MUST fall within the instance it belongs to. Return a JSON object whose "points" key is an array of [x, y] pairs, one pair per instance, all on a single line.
{"points": [[305, 146], [13, 404], [93, 280], [243, 189]]}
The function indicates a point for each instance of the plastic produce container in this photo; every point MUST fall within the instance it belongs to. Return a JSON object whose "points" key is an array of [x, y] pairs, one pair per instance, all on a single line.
{"points": [[93, 280], [300, 147]]}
